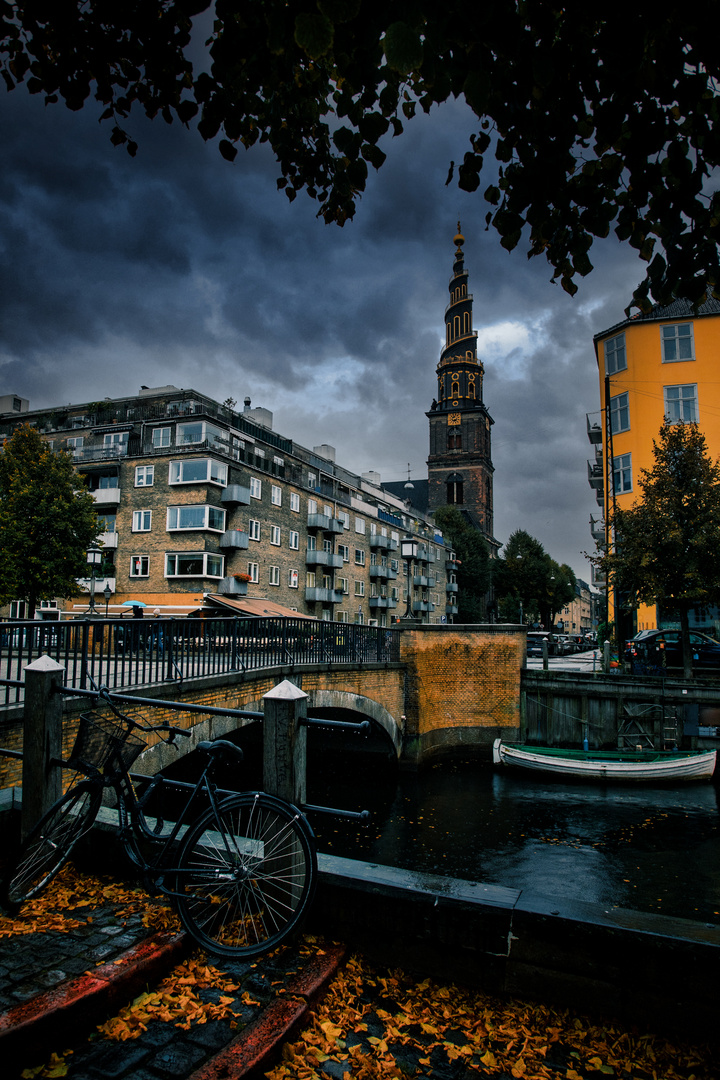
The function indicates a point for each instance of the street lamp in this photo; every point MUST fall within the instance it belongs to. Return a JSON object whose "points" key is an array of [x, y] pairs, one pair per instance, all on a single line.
{"points": [[94, 558], [408, 550], [519, 557], [107, 593]]}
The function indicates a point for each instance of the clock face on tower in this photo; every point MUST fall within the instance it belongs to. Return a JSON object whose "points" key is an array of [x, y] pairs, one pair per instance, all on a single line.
{"points": [[454, 419]]}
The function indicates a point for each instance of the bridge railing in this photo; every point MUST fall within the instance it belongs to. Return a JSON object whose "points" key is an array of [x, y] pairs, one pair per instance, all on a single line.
{"points": [[122, 653], [284, 718]]}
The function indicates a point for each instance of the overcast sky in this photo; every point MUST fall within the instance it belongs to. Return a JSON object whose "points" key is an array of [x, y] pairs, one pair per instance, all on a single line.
{"points": [[178, 267]]}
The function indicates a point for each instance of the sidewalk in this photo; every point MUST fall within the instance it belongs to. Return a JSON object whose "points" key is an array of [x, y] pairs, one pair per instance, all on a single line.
{"points": [[87, 949]]}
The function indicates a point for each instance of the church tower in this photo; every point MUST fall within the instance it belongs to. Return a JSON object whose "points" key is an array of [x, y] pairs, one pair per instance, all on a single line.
{"points": [[460, 470]]}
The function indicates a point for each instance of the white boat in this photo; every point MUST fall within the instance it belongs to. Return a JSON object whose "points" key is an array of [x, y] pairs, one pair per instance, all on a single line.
{"points": [[639, 766]]}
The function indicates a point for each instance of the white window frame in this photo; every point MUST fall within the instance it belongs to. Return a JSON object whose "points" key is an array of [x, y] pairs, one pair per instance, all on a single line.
{"points": [[294, 540], [253, 529], [254, 572], [622, 473], [139, 566], [344, 550], [293, 579], [310, 579], [684, 404], [312, 506], [344, 585], [674, 340], [276, 495], [215, 472], [360, 526], [161, 437], [620, 413], [208, 559], [615, 354], [144, 475], [359, 588], [294, 502], [142, 521], [174, 516], [275, 537], [359, 557], [255, 488], [343, 516], [273, 575]]}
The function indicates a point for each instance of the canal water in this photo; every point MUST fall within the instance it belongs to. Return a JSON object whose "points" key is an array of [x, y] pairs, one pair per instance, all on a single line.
{"points": [[655, 850], [650, 849]]}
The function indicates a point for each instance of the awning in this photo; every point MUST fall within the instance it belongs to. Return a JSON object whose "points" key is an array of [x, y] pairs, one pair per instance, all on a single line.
{"points": [[259, 608]]}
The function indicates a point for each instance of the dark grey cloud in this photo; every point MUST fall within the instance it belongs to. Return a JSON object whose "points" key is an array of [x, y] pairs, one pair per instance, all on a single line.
{"points": [[179, 267]]}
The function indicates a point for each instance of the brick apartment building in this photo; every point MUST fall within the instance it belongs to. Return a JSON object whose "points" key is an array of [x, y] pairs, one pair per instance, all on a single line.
{"points": [[202, 506]]}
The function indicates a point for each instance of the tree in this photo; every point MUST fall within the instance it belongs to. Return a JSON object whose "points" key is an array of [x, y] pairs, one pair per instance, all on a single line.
{"points": [[525, 574], [597, 118], [473, 572], [47, 521], [666, 546]]}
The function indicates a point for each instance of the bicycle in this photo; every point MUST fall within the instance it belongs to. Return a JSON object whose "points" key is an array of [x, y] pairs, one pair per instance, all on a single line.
{"points": [[241, 875]]}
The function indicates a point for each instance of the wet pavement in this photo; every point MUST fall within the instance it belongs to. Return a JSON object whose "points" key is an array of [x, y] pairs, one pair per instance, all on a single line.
{"points": [[96, 981]]}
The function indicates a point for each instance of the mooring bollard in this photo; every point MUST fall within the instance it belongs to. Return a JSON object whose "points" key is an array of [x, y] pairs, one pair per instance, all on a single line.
{"points": [[42, 739], [285, 743], [606, 657]]}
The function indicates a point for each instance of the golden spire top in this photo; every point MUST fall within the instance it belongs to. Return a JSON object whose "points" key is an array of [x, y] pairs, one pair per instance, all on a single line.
{"points": [[459, 240]]}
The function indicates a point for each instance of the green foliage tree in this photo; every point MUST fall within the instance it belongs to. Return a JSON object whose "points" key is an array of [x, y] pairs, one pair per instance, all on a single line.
{"points": [[47, 521], [598, 117], [526, 574], [473, 572], [666, 546]]}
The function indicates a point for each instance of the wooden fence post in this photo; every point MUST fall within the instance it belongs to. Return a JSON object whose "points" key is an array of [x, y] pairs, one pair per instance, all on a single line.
{"points": [[42, 739], [285, 743]]}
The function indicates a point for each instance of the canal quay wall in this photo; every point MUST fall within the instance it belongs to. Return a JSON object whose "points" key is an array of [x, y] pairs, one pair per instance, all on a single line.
{"points": [[652, 971], [560, 708]]}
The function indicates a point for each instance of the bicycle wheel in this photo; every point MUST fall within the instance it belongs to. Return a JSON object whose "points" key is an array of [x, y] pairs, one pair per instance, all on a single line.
{"points": [[246, 875], [48, 845]]}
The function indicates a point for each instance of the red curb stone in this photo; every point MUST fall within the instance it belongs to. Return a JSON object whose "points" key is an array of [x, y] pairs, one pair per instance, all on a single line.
{"points": [[316, 973], [256, 1043], [48, 1015], [252, 1049]]}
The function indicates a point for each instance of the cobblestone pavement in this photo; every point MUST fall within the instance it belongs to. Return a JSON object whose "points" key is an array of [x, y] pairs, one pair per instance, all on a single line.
{"points": [[97, 982]]}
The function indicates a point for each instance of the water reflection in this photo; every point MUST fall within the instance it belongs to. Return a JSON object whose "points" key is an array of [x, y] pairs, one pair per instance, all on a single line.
{"points": [[651, 849]]}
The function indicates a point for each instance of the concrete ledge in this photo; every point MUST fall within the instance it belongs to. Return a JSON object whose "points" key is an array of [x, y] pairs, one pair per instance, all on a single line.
{"points": [[648, 969]]}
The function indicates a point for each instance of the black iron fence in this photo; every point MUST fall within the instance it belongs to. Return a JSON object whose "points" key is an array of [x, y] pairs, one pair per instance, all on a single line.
{"points": [[120, 653]]}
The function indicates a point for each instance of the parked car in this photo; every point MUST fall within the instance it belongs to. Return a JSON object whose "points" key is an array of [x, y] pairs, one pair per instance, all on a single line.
{"points": [[652, 649], [535, 639]]}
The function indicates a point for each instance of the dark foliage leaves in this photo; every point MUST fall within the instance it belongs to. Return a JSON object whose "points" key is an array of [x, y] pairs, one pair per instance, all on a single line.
{"points": [[602, 118]]}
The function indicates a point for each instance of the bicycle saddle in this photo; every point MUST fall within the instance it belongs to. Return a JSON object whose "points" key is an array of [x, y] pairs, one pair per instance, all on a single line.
{"points": [[221, 746]]}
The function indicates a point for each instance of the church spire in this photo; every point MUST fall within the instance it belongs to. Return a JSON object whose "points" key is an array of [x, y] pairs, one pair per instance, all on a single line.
{"points": [[459, 373], [460, 469]]}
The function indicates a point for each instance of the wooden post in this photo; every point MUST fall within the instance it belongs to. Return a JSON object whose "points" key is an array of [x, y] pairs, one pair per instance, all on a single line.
{"points": [[285, 743], [42, 739]]}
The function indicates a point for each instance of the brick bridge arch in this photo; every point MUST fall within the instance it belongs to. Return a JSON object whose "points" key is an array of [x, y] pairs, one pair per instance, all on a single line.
{"points": [[454, 690]]}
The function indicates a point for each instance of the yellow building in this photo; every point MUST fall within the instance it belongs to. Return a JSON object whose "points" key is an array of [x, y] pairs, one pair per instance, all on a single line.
{"points": [[654, 367]]}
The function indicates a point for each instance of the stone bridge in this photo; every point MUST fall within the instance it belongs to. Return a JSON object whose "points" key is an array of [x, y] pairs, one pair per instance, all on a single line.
{"points": [[454, 690]]}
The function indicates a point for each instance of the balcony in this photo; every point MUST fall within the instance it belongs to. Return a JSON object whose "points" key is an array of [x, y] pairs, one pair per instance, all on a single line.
{"points": [[451, 609], [598, 577], [597, 529], [422, 605], [425, 555], [383, 602], [595, 475], [234, 539], [319, 521], [108, 540], [230, 586], [323, 596], [83, 454], [235, 495], [382, 573], [382, 543], [594, 431], [451, 587], [423, 581], [106, 496], [323, 558], [100, 584]]}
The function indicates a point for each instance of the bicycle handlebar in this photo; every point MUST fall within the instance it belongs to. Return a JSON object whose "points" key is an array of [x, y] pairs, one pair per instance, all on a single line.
{"points": [[104, 693]]}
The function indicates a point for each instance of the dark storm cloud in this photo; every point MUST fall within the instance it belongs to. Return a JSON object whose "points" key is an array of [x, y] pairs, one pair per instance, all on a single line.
{"points": [[177, 267]]}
